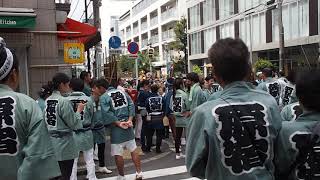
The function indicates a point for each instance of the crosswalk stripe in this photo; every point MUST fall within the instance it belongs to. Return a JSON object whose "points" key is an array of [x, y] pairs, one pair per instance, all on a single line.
{"points": [[157, 173]]}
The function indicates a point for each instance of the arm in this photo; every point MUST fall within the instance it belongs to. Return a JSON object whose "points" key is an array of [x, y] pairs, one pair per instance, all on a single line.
{"points": [[38, 151], [69, 117], [197, 146], [106, 110]]}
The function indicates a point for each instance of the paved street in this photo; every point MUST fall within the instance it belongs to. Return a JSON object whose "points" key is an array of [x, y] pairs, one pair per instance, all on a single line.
{"points": [[155, 166]]}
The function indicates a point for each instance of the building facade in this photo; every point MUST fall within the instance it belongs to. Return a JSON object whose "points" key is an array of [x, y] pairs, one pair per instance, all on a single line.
{"points": [[151, 23], [256, 23], [36, 46]]}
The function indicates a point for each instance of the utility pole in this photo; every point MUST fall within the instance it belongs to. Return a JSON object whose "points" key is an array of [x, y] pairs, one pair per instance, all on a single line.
{"points": [[281, 36], [87, 20], [98, 47]]}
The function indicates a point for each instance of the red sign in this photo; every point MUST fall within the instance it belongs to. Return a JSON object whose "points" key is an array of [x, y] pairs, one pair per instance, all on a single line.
{"points": [[133, 48]]}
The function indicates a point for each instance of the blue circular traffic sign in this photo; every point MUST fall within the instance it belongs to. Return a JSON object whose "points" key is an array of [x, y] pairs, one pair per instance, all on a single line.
{"points": [[133, 48], [114, 42]]}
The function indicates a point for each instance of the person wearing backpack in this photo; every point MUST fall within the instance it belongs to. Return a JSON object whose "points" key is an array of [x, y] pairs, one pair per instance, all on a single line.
{"points": [[297, 150]]}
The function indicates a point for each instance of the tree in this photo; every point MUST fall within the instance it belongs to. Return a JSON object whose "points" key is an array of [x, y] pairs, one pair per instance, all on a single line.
{"points": [[126, 64], [181, 42], [197, 69], [263, 63], [144, 61]]}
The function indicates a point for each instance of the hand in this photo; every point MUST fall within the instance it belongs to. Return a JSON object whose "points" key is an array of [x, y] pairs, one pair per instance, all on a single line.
{"points": [[81, 107], [123, 125], [187, 114], [130, 124]]}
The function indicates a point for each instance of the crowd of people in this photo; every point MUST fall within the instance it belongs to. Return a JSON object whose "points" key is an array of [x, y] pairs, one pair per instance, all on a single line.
{"points": [[236, 124]]}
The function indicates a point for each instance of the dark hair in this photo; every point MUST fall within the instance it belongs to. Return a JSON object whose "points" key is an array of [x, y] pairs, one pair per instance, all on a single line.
{"points": [[145, 83], [281, 73], [292, 76], [77, 84], [45, 91], [267, 72], [3, 57], [154, 88], [58, 79], [193, 77], [178, 83], [230, 59], [84, 74], [208, 78], [101, 83], [114, 83], [308, 89]]}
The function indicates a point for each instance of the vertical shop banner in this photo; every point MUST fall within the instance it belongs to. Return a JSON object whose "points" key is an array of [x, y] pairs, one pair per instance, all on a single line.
{"points": [[73, 53]]}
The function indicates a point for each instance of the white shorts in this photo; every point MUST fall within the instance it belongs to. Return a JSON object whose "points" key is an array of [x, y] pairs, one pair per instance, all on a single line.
{"points": [[117, 149]]}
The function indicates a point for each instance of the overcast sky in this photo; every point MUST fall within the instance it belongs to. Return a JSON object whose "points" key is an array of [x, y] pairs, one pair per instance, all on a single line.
{"points": [[109, 8]]}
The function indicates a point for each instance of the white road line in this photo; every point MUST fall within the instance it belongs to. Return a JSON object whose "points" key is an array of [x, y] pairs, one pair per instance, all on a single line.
{"points": [[156, 173]]}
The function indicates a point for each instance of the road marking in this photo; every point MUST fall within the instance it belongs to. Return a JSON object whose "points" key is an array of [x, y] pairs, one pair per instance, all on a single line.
{"points": [[157, 173]]}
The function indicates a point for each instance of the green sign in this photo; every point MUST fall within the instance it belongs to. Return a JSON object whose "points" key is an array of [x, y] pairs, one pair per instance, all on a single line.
{"points": [[17, 22]]}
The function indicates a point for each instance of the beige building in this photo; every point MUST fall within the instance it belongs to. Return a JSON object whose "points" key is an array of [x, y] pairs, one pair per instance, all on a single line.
{"points": [[30, 28]]}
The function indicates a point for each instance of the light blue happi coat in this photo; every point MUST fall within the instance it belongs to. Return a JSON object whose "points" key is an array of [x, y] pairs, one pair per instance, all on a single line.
{"points": [[293, 138], [225, 135], [26, 152], [61, 121], [272, 86], [83, 136], [291, 112]]}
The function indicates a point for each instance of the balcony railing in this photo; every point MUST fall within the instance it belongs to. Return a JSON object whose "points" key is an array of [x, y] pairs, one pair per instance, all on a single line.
{"points": [[154, 39], [168, 14], [168, 34], [144, 26], [154, 21]]}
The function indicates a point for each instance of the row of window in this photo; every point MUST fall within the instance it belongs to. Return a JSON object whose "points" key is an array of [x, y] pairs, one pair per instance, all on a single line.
{"points": [[252, 29]]}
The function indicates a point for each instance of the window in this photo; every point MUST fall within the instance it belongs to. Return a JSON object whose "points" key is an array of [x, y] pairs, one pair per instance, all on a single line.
{"points": [[195, 16], [248, 4], [210, 38], [227, 30], [195, 43], [226, 8], [295, 17], [209, 15], [258, 31]]}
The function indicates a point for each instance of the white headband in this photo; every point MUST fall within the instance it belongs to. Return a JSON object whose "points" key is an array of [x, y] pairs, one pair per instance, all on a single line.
{"points": [[7, 65]]}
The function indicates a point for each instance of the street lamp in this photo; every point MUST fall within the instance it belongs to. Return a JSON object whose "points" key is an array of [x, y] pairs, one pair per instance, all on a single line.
{"points": [[149, 46], [166, 48]]}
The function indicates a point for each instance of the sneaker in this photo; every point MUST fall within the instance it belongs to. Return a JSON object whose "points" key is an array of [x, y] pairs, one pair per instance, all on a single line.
{"points": [[180, 156], [139, 176], [104, 170], [121, 177], [183, 141]]}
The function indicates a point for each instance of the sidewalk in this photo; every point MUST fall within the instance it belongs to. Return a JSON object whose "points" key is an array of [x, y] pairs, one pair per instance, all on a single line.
{"points": [[145, 157]]}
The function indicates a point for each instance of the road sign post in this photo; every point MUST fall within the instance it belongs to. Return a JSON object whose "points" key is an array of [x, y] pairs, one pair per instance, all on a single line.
{"points": [[133, 49]]}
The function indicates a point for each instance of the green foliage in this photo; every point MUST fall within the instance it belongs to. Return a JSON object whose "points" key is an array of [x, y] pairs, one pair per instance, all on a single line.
{"points": [[263, 63], [197, 69], [144, 61], [180, 31], [126, 64]]}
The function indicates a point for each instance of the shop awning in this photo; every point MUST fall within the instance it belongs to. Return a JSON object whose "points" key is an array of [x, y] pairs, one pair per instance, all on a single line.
{"points": [[84, 33], [17, 18]]}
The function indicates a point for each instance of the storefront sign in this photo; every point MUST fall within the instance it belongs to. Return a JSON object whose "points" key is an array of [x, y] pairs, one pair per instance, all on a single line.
{"points": [[74, 53], [17, 22]]}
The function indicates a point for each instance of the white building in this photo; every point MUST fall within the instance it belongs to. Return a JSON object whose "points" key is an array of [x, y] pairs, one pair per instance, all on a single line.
{"points": [[151, 23], [114, 26], [255, 22]]}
